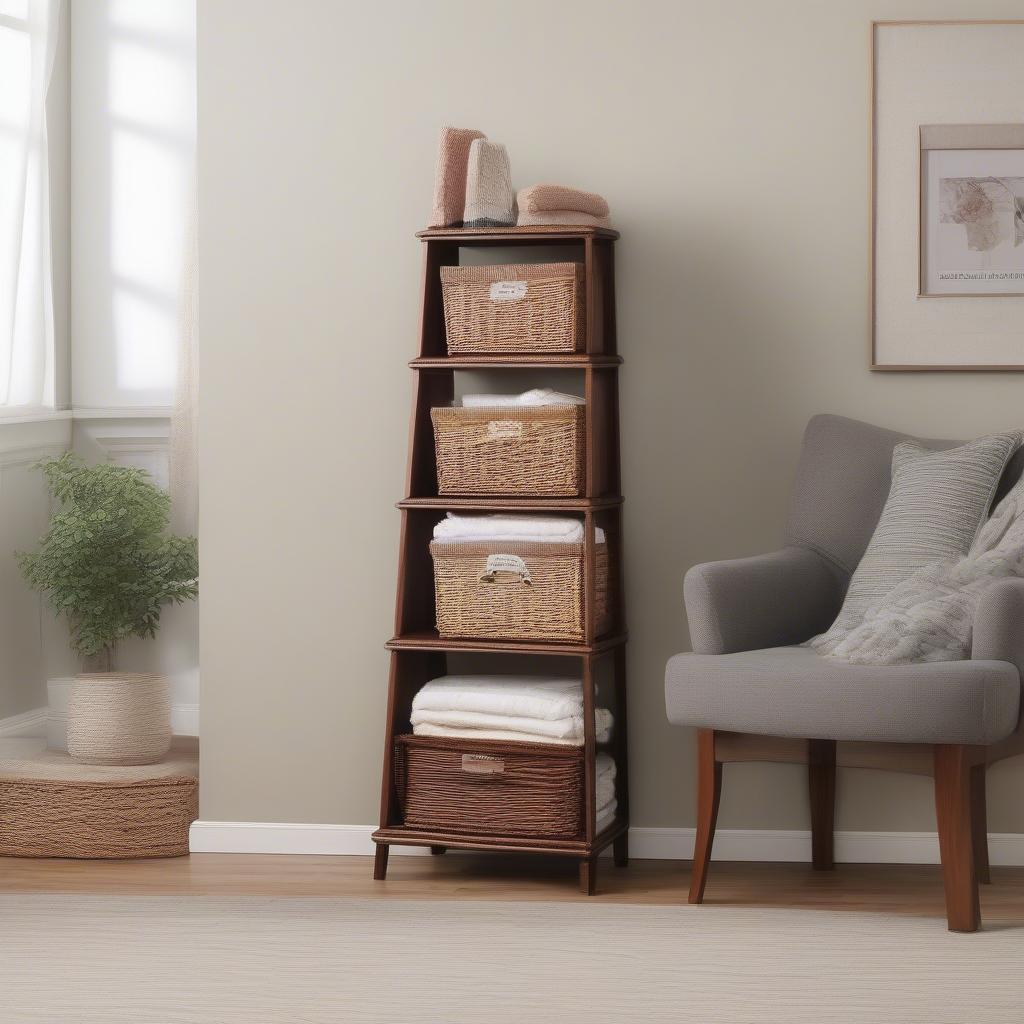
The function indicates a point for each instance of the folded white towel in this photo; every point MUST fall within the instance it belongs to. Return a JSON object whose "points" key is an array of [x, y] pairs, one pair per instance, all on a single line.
{"points": [[538, 396], [543, 697], [429, 729], [605, 766], [605, 790], [525, 529], [606, 815], [556, 728]]}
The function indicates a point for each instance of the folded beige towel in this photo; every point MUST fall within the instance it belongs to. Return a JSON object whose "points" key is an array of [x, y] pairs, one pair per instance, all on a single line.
{"points": [[562, 217], [558, 198], [450, 175]]}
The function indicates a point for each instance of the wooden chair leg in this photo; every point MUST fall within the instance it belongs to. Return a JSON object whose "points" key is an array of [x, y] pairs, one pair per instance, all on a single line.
{"points": [[380, 862], [953, 770], [709, 791], [620, 850], [588, 876], [979, 820], [821, 779]]}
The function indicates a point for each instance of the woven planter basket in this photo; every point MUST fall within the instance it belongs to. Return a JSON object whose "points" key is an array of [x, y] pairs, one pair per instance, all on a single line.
{"points": [[532, 790], [119, 718], [516, 591], [523, 307], [510, 450]]}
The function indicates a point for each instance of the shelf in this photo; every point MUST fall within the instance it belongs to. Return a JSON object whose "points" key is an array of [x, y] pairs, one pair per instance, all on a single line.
{"points": [[428, 640], [498, 504], [534, 233], [568, 361], [399, 835]]}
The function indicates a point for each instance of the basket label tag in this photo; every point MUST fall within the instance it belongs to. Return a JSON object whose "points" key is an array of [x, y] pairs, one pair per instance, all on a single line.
{"points": [[507, 291], [505, 428], [482, 764], [512, 564]]}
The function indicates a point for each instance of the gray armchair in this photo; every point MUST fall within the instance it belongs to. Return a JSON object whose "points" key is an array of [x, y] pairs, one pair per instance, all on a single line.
{"points": [[755, 695]]}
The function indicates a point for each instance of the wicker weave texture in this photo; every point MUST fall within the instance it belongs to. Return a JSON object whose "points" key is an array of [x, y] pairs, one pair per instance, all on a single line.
{"points": [[43, 818], [473, 602], [548, 317], [526, 789], [510, 450]]}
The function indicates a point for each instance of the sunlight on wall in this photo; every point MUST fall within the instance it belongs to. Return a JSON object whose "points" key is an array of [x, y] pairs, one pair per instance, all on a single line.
{"points": [[134, 126], [152, 122]]}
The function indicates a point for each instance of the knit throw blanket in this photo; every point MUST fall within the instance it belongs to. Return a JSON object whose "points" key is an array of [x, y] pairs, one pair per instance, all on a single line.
{"points": [[557, 204], [930, 616]]}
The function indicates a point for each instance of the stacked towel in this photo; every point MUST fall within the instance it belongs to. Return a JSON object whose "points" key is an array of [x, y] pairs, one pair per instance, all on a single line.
{"points": [[556, 204], [490, 200], [450, 176], [522, 529], [525, 709], [538, 396]]}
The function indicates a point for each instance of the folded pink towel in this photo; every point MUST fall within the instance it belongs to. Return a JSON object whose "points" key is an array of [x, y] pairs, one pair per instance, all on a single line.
{"points": [[450, 175], [562, 217], [558, 198]]}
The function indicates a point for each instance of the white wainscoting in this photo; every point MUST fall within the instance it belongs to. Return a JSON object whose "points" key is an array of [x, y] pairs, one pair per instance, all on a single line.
{"points": [[1005, 849]]}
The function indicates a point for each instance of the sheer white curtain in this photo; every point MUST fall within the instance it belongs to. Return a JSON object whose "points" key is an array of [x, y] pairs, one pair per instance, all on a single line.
{"points": [[28, 42]]}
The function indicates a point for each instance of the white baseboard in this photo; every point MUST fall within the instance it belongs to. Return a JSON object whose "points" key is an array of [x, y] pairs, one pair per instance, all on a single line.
{"points": [[1005, 849], [185, 719], [28, 723]]}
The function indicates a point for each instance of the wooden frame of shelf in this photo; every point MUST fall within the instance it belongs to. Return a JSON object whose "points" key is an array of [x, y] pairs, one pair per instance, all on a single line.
{"points": [[418, 653]]}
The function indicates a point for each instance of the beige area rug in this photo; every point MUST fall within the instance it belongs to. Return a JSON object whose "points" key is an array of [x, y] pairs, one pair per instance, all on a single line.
{"points": [[182, 960]]}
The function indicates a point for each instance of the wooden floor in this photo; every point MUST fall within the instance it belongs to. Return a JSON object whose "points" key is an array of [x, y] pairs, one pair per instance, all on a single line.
{"points": [[900, 889]]}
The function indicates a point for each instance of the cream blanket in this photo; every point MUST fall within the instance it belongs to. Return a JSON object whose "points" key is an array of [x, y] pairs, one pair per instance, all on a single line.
{"points": [[524, 529], [544, 697], [538, 396], [568, 729], [930, 616]]}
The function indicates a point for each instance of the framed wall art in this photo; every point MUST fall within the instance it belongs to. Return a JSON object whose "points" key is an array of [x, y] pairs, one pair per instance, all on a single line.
{"points": [[947, 195]]}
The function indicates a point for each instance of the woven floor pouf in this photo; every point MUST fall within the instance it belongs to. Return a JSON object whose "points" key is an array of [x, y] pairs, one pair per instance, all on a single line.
{"points": [[51, 806]]}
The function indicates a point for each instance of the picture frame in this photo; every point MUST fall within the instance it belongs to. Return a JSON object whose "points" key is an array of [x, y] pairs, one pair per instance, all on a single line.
{"points": [[946, 191]]}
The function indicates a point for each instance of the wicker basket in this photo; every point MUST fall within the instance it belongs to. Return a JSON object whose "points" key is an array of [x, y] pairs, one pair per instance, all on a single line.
{"points": [[528, 790], [524, 307], [510, 450], [516, 591]]}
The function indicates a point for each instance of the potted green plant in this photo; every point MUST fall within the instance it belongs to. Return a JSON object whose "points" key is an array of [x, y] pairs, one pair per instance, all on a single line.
{"points": [[109, 563]]}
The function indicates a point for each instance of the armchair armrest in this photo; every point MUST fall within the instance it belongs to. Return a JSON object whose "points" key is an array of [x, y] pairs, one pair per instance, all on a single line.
{"points": [[785, 597], [999, 623]]}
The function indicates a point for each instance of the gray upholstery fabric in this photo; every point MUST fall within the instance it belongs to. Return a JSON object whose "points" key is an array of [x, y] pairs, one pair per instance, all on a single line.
{"points": [[780, 598], [791, 691], [999, 624], [773, 600], [842, 483], [936, 505]]}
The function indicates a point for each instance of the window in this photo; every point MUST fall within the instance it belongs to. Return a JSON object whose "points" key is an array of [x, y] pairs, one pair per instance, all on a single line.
{"points": [[28, 40]]}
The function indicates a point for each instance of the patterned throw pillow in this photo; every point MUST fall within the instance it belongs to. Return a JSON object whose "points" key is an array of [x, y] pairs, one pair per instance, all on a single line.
{"points": [[937, 502]]}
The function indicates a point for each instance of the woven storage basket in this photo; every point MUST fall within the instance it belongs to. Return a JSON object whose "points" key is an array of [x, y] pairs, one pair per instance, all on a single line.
{"points": [[510, 789], [523, 307], [510, 450], [516, 591]]}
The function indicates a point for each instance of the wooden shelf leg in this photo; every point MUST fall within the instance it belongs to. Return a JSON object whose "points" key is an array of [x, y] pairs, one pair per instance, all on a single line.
{"points": [[620, 850], [588, 876], [380, 862]]}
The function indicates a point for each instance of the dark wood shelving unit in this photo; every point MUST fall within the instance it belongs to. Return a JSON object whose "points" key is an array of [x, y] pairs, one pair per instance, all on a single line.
{"points": [[418, 653]]}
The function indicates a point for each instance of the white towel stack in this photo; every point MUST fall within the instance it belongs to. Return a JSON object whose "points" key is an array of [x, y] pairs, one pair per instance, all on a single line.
{"points": [[524, 529], [528, 709], [536, 397]]}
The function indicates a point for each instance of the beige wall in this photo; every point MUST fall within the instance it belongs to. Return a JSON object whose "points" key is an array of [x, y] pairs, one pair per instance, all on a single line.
{"points": [[731, 142]]}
